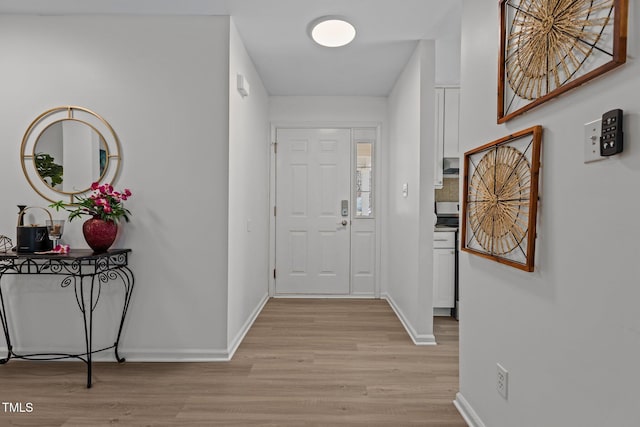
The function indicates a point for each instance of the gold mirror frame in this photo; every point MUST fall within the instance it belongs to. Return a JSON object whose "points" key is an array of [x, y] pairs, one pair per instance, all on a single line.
{"points": [[61, 114]]}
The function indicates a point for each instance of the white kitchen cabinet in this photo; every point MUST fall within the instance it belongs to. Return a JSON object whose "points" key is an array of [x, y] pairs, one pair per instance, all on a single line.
{"points": [[444, 269], [446, 128], [444, 265]]}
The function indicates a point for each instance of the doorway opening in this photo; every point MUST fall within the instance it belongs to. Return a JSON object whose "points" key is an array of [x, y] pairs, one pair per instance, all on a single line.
{"points": [[324, 221]]}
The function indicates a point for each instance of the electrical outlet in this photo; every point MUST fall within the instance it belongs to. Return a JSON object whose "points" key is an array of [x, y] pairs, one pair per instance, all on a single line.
{"points": [[592, 132], [502, 380]]}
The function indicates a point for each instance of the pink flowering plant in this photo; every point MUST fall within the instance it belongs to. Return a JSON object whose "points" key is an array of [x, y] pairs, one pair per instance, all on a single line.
{"points": [[104, 203]]}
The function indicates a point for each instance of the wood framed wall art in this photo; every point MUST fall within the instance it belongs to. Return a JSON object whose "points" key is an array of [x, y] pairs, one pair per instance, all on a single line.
{"points": [[500, 199], [548, 47]]}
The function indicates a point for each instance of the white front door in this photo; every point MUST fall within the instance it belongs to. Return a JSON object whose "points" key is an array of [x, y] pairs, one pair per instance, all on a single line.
{"points": [[312, 235]]}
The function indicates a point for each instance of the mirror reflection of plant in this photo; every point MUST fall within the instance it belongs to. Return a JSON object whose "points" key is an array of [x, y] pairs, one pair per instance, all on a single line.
{"points": [[47, 168], [104, 203]]}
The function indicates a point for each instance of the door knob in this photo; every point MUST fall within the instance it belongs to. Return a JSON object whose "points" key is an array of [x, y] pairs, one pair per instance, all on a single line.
{"points": [[344, 222]]}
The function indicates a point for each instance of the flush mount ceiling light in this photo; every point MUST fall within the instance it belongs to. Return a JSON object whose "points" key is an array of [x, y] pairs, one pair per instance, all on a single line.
{"points": [[332, 31]]}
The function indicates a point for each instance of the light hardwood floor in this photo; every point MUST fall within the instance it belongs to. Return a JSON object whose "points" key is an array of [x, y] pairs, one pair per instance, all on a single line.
{"points": [[303, 363]]}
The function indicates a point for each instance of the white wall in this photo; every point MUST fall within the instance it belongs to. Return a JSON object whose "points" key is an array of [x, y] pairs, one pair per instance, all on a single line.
{"points": [[448, 61], [327, 109], [163, 84], [407, 251], [249, 149], [569, 333], [448, 47]]}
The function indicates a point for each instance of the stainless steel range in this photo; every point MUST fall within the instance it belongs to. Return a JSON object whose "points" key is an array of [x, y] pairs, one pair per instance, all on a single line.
{"points": [[447, 214]]}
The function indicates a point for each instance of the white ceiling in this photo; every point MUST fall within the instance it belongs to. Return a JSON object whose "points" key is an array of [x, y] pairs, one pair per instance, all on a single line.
{"points": [[275, 35]]}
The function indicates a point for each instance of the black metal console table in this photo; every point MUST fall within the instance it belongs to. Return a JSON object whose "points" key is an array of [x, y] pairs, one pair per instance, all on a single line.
{"points": [[86, 272]]}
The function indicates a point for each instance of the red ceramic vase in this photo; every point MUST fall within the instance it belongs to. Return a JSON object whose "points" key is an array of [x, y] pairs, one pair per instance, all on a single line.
{"points": [[99, 234]]}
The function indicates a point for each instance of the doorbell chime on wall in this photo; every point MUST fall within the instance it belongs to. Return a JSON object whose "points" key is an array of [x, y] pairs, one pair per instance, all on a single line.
{"points": [[243, 85]]}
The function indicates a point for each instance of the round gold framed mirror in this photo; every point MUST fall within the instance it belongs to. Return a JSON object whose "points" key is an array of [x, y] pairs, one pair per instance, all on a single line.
{"points": [[66, 149]]}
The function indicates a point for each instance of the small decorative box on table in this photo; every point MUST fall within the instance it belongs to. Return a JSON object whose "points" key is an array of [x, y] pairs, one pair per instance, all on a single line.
{"points": [[86, 272]]}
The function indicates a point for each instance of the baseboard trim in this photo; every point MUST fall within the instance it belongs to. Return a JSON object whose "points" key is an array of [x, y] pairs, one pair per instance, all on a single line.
{"points": [[139, 355], [418, 339], [323, 296], [185, 355], [470, 416], [162, 355], [246, 327], [441, 312]]}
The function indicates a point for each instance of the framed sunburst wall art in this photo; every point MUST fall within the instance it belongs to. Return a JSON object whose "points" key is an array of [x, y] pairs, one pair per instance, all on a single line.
{"points": [[550, 46], [500, 199]]}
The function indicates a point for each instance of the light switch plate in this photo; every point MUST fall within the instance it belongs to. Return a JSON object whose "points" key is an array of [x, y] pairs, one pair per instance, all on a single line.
{"points": [[405, 189], [591, 141]]}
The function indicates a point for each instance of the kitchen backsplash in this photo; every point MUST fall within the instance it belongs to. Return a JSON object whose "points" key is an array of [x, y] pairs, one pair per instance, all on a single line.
{"points": [[450, 191]]}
